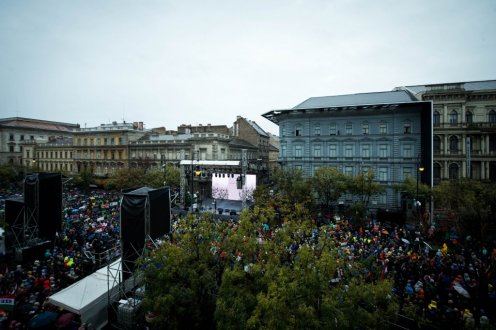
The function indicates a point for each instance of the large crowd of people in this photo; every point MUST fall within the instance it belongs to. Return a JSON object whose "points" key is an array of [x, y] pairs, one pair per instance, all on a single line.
{"points": [[450, 282], [447, 283], [88, 240]]}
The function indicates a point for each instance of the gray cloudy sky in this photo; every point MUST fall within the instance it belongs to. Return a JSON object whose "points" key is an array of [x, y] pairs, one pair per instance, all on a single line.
{"points": [[168, 63]]}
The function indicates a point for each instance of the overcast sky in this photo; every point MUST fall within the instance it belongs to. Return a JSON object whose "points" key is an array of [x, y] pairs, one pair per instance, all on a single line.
{"points": [[168, 63]]}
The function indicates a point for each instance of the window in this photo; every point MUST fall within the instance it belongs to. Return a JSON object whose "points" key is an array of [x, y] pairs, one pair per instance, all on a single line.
{"points": [[382, 128], [407, 129], [65, 154], [283, 150], [298, 151], [383, 151], [365, 128], [283, 131], [437, 171], [112, 155], [120, 154], [453, 171], [348, 150], [105, 141], [31, 137], [27, 153], [469, 117], [349, 129], [407, 172], [436, 119], [120, 140], [22, 137], [348, 170], [70, 153], [491, 117], [85, 141], [383, 174], [317, 150], [51, 154], [298, 167], [11, 137], [436, 144], [333, 150], [298, 130], [454, 144], [407, 150], [316, 130], [453, 118], [365, 150], [332, 129]]}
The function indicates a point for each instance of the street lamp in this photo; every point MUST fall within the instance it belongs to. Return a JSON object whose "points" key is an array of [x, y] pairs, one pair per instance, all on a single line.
{"points": [[420, 169]]}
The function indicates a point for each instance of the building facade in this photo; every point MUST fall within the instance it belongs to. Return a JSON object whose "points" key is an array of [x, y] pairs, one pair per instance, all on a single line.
{"points": [[18, 133], [104, 149], [464, 121], [389, 133]]}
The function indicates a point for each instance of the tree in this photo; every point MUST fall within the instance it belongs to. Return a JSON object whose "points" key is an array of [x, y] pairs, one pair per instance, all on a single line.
{"points": [[364, 186], [473, 201], [84, 179], [11, 174], [213, 275], [329, 184], [182, 280], [291, 188], [127, 178]]}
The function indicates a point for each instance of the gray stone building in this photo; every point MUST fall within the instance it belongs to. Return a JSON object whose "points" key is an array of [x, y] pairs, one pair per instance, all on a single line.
{"points": [[387, 132], [18, 136], [464, 121]]}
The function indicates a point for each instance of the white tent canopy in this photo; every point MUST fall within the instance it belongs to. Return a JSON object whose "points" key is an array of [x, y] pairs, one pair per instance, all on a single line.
{"points": [[89, 296]]}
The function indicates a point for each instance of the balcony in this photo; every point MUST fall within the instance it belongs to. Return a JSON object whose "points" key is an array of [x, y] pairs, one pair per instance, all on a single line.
{"points": [[479, 126]]}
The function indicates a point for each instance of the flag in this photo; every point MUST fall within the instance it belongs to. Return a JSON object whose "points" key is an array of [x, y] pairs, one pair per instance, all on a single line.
{"points": [[7, 302]]}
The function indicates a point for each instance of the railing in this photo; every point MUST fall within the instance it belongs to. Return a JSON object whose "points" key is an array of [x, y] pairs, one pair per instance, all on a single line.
{"points": [[470, 126]]}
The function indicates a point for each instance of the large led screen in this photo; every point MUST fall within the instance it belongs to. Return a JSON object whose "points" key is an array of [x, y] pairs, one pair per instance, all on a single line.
{"points": [[225, 186]]}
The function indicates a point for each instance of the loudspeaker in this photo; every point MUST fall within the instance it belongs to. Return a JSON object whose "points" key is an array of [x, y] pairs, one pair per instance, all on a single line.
{"points": [[14, 211], [145, 212], [43, 202], [160, 212], [133, 217]]}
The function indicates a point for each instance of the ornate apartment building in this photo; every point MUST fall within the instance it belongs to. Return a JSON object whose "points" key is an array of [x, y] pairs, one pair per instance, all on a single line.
{"points": [[19, 136], [464, 120], [105, 148], [388, 132]]}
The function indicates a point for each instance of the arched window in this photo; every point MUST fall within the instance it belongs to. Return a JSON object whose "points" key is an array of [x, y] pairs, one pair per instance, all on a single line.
{"points": [[437, 171], [454, 144], [437, 144], [437, 119], [491, 116], [469, 117], [453, 117], [453, 171]]}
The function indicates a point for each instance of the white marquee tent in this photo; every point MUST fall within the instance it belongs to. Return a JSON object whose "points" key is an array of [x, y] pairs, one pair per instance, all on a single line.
{"points": [[89, 296]]}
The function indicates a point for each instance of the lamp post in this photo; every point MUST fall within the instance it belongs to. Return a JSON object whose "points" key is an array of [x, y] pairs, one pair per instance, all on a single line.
{"points": [[420, 169]]}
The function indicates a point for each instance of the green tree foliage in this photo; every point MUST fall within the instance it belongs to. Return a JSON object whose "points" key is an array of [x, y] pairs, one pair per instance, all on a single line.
{"points": [[329, 185], [127, 178], [84, 179], [10, 174], [409, 188], [169, 175], [473, 201], [363, 186], [260, 275], [183, 279], [291, 188]]}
